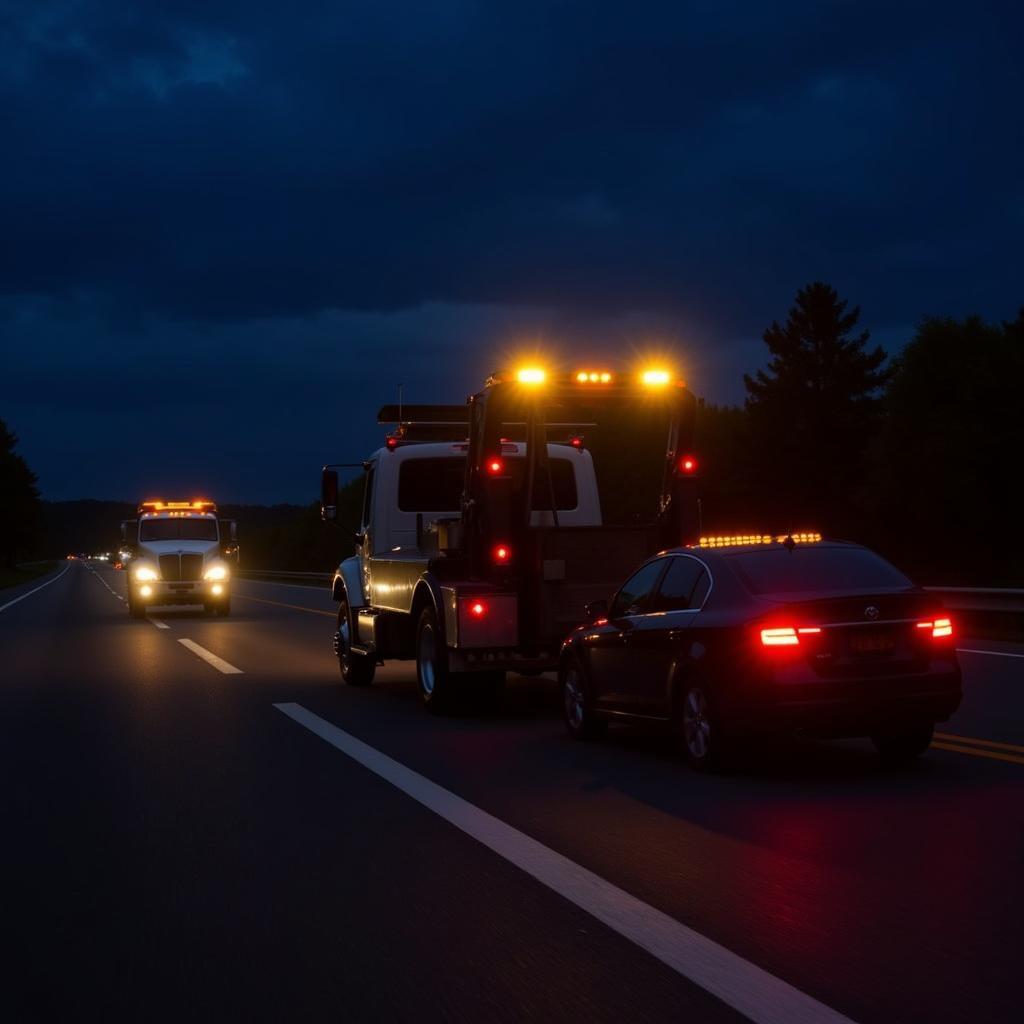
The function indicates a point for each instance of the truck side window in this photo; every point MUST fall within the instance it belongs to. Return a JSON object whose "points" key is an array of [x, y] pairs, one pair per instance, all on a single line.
{"points": [[634, 596], [368, 497], [679, 589]]}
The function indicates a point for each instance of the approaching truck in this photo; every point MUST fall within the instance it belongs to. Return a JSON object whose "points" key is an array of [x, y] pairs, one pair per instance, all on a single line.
{"points": [[181, 554], [487, 528]]}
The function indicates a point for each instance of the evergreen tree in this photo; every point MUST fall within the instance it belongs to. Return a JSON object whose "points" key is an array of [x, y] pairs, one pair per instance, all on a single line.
{"points": [[811, 414], [19, 501]]}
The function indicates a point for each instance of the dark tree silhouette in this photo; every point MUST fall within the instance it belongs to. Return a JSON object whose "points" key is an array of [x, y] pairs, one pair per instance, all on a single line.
{"points": [[947, 462], [19, 501], [811, 414]]}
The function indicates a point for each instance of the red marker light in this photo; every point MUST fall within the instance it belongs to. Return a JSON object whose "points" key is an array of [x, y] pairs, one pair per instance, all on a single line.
{"points": [[688, 465], [495, 466], [501, 553], [391, 443], [478, 609], [576, 442]]}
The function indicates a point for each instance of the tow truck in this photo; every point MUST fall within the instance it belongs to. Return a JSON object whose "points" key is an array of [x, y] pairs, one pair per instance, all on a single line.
{"points": [[181, 554], [487, 527]]}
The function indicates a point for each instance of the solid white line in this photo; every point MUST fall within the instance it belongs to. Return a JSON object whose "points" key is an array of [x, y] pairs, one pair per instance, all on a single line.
{"points": [[159, 624], [995, 654], [218, 663], [4, 607], [742, 985]]}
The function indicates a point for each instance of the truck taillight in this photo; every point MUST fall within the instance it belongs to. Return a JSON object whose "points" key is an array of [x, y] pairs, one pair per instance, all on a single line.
{"points": [[495, 466], [501, 554], [938, 628], [477, 609], [688, 465]]}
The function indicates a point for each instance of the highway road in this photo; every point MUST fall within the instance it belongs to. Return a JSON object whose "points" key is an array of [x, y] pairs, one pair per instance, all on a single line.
{"points": [[202, 822]]}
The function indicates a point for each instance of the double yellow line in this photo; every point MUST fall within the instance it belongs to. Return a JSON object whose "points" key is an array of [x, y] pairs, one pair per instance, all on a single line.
{"points": [[979, 748]]}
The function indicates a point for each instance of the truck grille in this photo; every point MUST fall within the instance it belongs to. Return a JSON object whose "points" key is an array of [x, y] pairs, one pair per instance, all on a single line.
{"points": [[181, 567]]}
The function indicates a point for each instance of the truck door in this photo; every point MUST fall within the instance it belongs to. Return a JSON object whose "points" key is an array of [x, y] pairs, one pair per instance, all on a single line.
{"points": [[615, 668], [366, 533]]}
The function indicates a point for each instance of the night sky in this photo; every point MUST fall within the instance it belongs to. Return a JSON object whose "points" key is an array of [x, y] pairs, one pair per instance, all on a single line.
{"points": [[230, 230]]}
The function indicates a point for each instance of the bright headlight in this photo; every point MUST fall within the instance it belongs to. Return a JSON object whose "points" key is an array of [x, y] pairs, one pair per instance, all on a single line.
{"points": [[216, 572], [143, 572]]}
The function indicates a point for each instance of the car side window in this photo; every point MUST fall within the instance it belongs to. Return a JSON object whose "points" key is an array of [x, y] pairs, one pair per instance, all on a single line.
{"points": [[700, 590], [634, 596], [681, 587]]}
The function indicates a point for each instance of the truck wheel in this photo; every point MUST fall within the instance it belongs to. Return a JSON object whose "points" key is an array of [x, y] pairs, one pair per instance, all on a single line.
{"points": [[903, 745], [223, 607], [435, 681], [577, 707], [356, 669], [136, 609]]}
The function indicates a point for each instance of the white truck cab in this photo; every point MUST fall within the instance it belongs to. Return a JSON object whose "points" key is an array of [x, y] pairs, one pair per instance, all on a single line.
{"points": [[178, 558]]}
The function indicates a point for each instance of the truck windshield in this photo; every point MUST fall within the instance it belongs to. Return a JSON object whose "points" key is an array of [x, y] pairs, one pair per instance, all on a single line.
{"points": [[435, 485], [777, 570], [178, 529]]}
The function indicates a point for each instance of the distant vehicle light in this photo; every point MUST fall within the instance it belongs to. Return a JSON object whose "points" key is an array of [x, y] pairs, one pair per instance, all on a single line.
{"points": [[531, 375], [501, 554], [655, 378], [143, 572], [216, 572]]}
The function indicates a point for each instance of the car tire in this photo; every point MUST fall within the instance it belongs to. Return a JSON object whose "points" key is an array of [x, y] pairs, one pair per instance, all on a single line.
{"points": [[581, 722], [901, 746], [356, 669], [700, 727], [435, 680], [136, 609]]}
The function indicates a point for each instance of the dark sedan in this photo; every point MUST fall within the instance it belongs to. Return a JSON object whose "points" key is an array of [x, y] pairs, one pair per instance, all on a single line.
{"points": [[758, 635]]}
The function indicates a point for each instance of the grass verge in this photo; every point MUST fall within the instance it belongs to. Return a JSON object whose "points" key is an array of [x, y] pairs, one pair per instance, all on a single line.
{"points": [[24, 573]]}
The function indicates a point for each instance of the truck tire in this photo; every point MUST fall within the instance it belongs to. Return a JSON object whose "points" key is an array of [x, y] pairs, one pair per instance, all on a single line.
{"points": [[136, 609], [436, 684], [223, 607], [356, 669]]}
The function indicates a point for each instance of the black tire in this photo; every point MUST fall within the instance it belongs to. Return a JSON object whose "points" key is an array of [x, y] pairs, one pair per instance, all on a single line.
{"points": [[436, 683], [223, 607], [209, 609], [577, 703], [700, 727], [356, 669], [136, 609], [901, 746]]}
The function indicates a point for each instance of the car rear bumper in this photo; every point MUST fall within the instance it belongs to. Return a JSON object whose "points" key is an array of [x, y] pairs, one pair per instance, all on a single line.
{"points": [[851, 707]]}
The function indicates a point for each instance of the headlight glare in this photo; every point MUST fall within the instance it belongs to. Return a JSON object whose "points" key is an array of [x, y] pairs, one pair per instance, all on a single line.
{"points": [[143, 572], [216, 572]]}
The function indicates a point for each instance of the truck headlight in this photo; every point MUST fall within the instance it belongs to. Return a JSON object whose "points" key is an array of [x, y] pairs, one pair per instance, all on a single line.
{"points": [[143, 572], [216, 572]]}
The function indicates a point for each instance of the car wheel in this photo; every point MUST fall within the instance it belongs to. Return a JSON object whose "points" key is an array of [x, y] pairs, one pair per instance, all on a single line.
{"points": [[436, 683], [356, 669], [903, 745], [700, 731], [577, 705]]}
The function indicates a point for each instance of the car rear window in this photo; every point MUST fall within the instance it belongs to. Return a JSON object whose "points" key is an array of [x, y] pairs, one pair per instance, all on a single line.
{"points": [[435, 485], [778, 570]]}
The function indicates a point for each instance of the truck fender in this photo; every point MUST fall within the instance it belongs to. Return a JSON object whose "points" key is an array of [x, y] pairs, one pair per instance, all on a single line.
{"points": [[428, 592], [348, 583]]}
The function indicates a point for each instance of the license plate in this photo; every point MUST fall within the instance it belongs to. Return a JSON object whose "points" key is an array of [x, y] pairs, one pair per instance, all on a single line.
{"points": [[872, 643], [180, 586]]}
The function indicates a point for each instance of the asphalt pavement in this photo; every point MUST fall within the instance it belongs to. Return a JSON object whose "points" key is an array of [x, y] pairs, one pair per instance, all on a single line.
{"points": [[202, 820]]}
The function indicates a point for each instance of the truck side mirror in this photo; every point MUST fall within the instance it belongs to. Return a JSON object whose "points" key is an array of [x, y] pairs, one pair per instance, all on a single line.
{"points": [[596, 609], [329, 495]]}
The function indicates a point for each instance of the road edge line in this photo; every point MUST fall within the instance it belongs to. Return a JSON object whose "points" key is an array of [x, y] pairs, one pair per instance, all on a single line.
{"points": [[35, 590]]}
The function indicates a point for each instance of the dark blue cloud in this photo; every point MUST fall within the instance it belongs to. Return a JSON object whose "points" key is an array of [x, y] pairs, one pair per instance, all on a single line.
{"points": [[233, 198]]}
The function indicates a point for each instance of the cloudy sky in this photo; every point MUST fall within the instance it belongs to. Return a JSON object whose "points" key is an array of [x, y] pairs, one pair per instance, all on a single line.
{"points": [[230, 230]]}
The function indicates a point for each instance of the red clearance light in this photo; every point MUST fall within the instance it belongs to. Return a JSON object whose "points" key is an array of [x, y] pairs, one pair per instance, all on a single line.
{"points": [[477, 609], [501, 553], [939, 627], [391, 443], [495, 466], [688, 465], [577, 442]]}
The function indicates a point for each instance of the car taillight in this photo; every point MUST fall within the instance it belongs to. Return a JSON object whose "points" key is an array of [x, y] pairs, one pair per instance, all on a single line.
{"points": [[501, 554], [786, 636], [938, 628]]}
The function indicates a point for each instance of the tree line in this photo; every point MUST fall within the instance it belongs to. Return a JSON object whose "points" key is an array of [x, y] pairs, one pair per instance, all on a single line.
{"points": [[916, 456]]}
